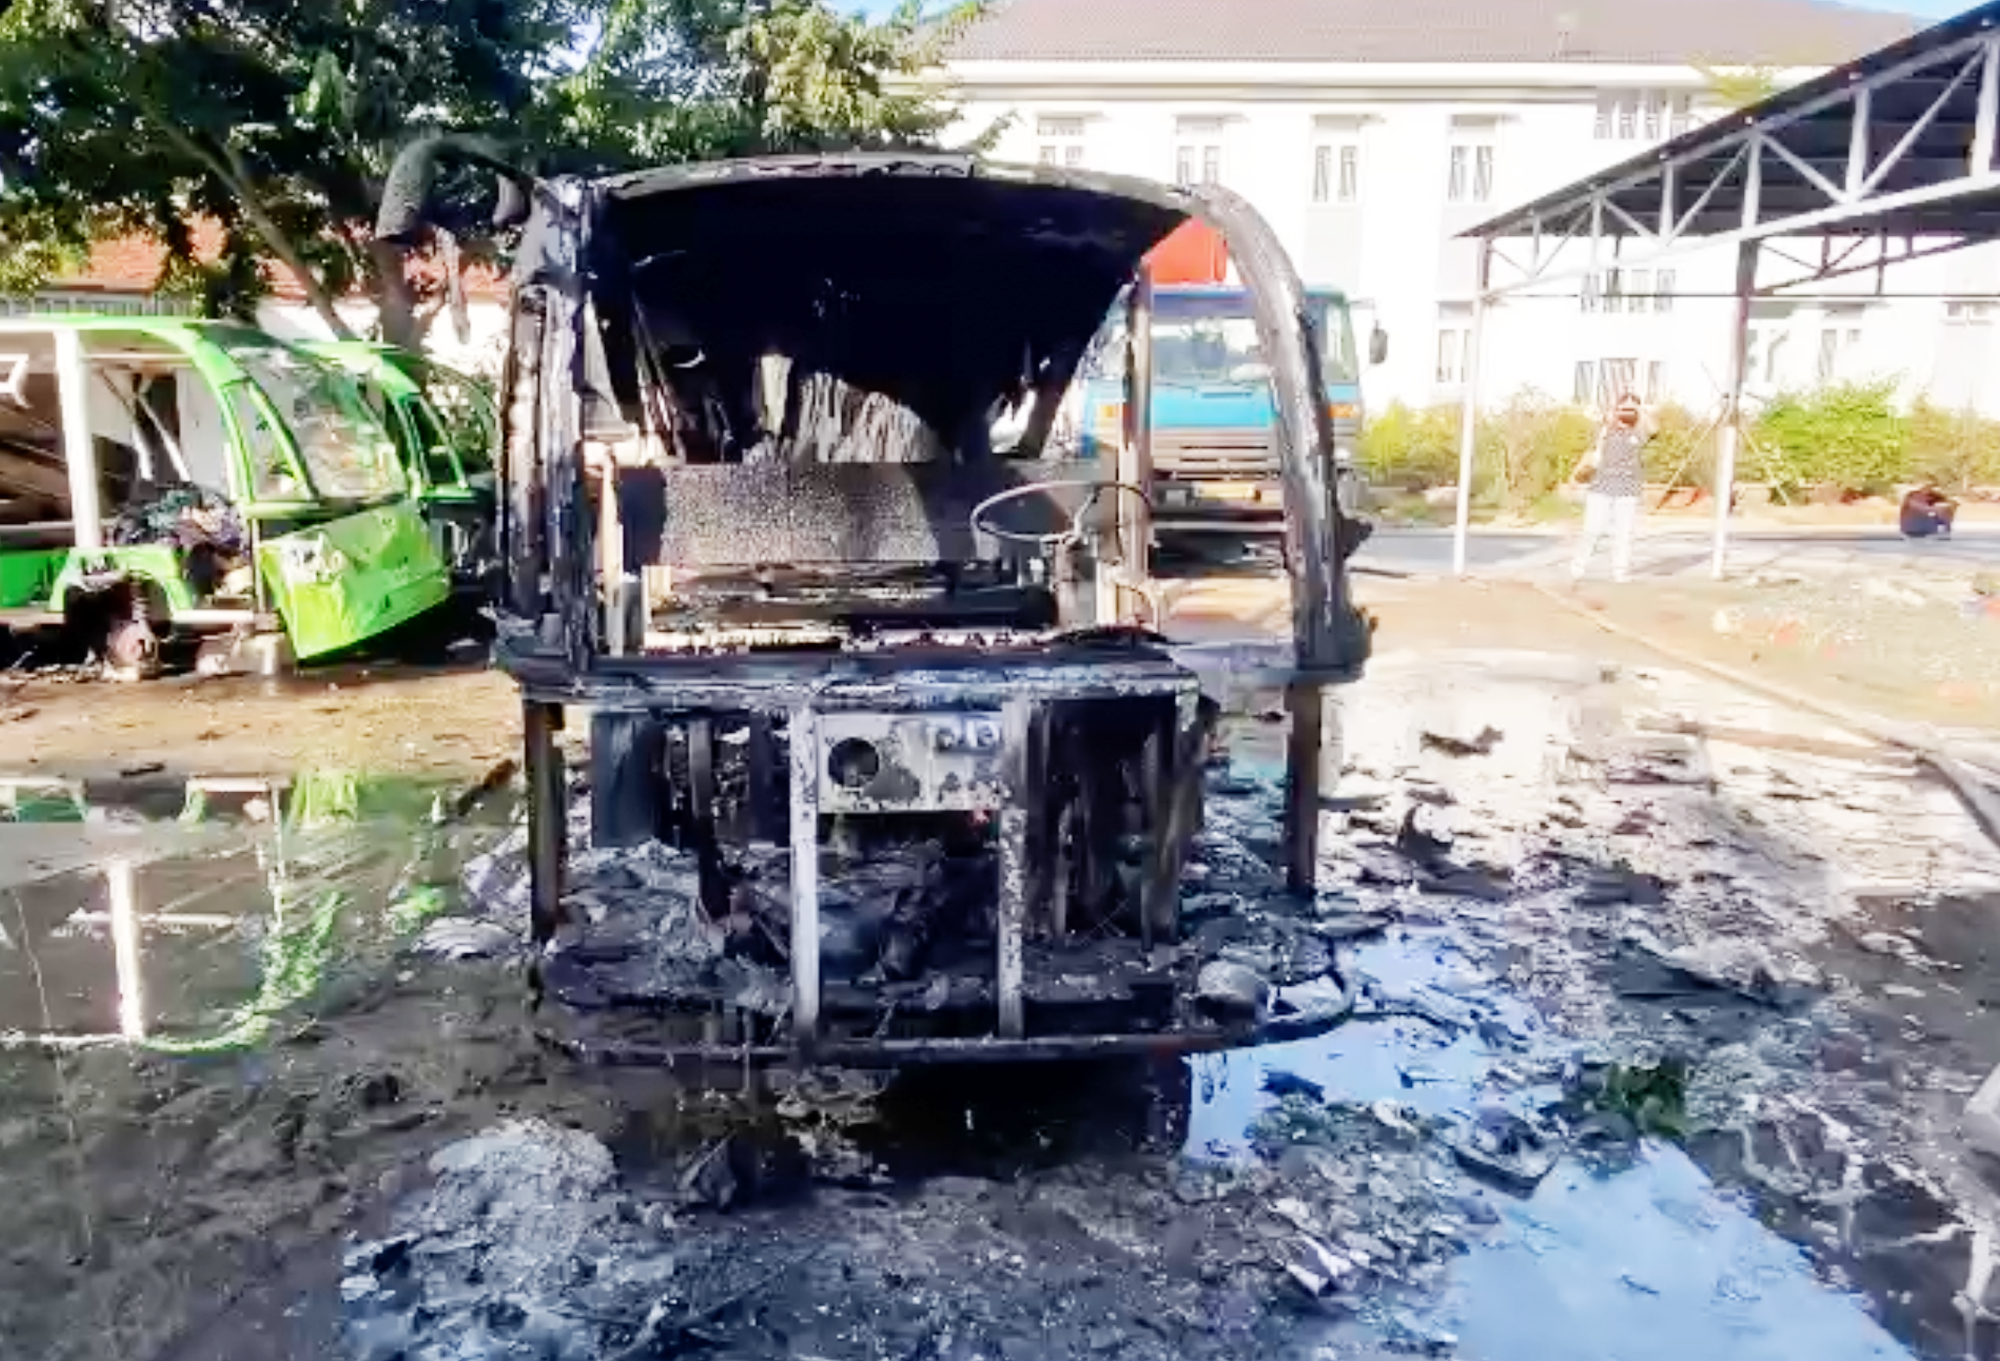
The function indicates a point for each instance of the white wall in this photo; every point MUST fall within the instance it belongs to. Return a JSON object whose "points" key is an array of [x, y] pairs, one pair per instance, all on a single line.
{"points": [[1409, 273], [479, 354]]}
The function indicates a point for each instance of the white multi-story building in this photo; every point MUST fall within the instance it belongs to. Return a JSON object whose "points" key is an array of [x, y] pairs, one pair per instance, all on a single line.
{"points": [[1371, 132]]}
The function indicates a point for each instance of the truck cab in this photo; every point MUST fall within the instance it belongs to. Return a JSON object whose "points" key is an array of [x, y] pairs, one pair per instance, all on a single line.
{"points": [[1212, 409]]}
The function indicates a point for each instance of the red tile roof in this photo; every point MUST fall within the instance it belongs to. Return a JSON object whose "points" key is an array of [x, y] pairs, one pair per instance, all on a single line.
{"points": [[132, 264]]}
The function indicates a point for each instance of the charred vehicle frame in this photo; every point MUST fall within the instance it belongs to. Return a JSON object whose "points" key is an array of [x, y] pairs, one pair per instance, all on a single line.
{"points": [[752, 522]]}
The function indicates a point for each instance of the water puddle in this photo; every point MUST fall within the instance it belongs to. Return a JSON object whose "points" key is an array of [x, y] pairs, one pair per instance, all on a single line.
{"points": [[191, 915]]}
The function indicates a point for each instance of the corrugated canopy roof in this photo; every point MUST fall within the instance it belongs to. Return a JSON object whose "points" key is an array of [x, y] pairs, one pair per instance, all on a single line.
{"points": [[1667, 32], [1893, 142]]}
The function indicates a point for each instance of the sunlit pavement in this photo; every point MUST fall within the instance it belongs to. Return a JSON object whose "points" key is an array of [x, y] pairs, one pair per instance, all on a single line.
{"points": [[1684, 549]]}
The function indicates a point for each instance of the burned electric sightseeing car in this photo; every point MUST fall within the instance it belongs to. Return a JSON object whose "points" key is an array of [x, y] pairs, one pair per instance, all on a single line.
{"points": [[892, 708]]}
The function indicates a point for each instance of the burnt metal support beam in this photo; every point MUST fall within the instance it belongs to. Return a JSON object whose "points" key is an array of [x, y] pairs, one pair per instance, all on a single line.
{"points": [[1989, 106], [1306, 706], [1135, 460], [804, 734], [1173, 818], [701, 809], [762, 789], [548, 817], [1011, 916], [625, 785]]}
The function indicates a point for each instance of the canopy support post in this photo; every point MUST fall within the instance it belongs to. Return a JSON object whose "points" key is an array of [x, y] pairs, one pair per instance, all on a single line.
{"points": [[1729, 434], [1468, 409]]}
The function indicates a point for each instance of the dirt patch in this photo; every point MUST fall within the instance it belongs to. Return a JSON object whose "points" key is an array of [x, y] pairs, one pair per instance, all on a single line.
{"points": [[381, 719]]}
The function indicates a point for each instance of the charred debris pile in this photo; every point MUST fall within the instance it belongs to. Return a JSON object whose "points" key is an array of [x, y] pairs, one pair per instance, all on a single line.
{"points": [[685, 938]]}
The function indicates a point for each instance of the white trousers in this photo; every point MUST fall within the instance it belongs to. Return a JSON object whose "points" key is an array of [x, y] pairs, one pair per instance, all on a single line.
{"points": [[1617, 516]]}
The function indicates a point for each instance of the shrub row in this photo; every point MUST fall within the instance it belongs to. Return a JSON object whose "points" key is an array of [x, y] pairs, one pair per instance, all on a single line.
{"points": [[1850, 437]]}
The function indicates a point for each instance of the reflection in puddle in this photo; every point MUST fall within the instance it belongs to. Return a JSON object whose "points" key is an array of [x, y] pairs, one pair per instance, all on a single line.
{"points": [[187, 916]]}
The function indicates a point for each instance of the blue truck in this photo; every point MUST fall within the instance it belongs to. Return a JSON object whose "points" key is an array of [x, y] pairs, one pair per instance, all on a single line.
{"points": [[1213, 465]]}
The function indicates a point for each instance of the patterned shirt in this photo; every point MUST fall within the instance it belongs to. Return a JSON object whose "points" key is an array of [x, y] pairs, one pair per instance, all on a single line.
{"points": [[1619, 469]]}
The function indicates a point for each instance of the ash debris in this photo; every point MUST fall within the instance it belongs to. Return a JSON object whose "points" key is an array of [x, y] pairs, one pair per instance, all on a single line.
{"points": [[532, 1245]]}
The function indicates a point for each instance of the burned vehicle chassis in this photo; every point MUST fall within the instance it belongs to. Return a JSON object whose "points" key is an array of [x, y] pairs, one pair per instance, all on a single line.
{"points": [[663, 772], [1046, 759]]}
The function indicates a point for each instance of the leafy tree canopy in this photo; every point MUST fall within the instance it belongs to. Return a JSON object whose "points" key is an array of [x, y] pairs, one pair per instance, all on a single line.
{"points": [[277, 119]]}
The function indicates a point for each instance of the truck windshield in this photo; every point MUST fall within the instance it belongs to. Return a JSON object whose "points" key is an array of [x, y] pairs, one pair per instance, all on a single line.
{"points": [[1210, 338], [346, 451]]}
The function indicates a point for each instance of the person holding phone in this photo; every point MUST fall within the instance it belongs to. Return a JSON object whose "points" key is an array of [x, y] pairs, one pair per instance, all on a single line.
{"points": [[1615, 469]]}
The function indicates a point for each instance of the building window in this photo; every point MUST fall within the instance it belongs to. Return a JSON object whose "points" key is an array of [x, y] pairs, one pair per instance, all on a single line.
{"points": [[1470, 178], [1059, 141], [1764, 353], [1968, 313], [1630, 115], [1622, 290], [1198, 148], [1454, 345], [1683, 115], [1656, 381], [101, 304], [1602, 382], [1639, 290], [1336, 172], [1839, 343]]}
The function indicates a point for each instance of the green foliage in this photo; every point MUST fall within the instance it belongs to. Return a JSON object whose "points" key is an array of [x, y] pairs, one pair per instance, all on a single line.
{"points": [[1847, 435], [1740, 87], [1960, 449], [1521, 452], [1411, 449], [1635, 1100], [279, 120], [1682, 450], [1527, 448]]}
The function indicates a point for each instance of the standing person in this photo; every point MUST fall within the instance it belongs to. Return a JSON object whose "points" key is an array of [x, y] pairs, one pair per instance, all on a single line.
{"points": [[1617, 480]]}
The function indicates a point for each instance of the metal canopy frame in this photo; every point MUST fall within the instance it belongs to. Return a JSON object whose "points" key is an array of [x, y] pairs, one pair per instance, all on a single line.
{"points": [[1888, 159]]}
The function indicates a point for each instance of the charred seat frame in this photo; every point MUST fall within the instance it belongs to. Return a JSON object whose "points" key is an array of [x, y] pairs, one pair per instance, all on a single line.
{"points": [[947, 284]]}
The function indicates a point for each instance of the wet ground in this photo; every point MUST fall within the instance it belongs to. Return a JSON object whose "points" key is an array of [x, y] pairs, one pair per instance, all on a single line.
{"points": [[1662, 1053]]}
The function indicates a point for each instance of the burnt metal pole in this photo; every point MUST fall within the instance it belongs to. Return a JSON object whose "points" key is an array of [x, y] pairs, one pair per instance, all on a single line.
{"points": [[803, 732], [1017, 720], [1135, 456], [548, 816], [1305, 706]]}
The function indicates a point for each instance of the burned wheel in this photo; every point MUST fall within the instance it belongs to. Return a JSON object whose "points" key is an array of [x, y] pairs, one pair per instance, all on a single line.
{"points": [[131, 648]]}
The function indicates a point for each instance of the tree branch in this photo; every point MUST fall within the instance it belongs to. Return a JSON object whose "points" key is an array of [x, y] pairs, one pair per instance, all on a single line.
{"points": [[229, 168]]}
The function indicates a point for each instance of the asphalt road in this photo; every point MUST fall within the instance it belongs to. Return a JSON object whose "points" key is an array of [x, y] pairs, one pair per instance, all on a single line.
{"points": [[1427, 552]]}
